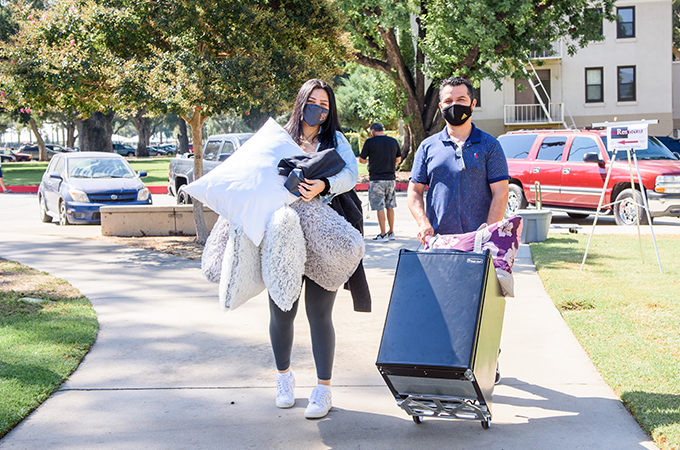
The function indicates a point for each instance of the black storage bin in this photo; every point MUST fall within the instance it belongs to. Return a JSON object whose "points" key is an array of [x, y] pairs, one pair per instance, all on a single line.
{"points": [[442, 333]]}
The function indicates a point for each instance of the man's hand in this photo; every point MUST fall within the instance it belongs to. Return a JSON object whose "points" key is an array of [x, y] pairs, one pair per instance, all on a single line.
{"points": [[416, 205], [424, 231], [311, 188]]}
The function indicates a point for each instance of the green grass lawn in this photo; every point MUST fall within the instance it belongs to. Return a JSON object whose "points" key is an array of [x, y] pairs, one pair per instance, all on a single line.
{"points": [[40, 343], [30, 173], [626, 315]]}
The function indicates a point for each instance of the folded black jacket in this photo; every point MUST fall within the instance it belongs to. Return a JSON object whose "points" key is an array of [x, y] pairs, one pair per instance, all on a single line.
{"points": [[314, 166]]}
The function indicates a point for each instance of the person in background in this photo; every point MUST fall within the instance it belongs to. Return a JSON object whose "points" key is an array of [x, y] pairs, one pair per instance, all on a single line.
{"points": [[314, 126], [382, 154]]}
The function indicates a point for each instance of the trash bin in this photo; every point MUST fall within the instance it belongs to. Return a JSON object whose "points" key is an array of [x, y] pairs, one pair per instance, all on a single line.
{"points": [[536, 225]]}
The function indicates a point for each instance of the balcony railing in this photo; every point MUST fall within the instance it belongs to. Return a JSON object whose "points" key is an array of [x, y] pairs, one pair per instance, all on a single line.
{"points": [[533, 114], [554, 52]]}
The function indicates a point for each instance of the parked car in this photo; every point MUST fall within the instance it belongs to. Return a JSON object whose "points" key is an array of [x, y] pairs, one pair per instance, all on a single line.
{"points": [[571, 167], [216, 149], [7, 156], [169, 149], [34, 152], [124, 149], [76, 185], [671, 143], [18, 156]]}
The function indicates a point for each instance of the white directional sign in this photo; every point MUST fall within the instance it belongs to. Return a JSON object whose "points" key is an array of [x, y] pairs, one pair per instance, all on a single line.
{"points": [[627, 137]]}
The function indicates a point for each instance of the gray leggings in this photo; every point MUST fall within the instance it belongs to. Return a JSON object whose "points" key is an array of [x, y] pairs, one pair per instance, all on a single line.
{"points": [[319, 306]]}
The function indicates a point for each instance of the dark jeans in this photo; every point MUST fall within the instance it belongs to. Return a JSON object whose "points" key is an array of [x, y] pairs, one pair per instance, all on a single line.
{"points": [[319, 306]]}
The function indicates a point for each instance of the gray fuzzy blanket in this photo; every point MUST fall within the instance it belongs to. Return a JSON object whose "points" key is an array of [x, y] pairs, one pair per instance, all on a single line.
{"points": [[334, 247]]}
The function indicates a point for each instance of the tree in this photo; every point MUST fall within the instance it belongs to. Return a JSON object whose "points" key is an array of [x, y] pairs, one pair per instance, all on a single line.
{"points": [[211, 57], [367, 96], [476, 39], [194, 58], [57, 61]]}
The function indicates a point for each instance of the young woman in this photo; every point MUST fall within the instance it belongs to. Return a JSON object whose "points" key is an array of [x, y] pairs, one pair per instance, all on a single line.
{"points": [[314, 126]]}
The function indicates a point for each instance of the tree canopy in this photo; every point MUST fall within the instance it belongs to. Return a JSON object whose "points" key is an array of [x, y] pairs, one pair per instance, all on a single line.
{"points": [[416, 40]]}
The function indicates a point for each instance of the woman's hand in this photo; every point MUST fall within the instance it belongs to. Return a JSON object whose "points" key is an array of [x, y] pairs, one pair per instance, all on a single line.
{"points": [[311, 188]]}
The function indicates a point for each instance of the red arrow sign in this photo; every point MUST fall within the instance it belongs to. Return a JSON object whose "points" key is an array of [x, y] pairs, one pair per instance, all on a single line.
{"points": [[628, 142]]}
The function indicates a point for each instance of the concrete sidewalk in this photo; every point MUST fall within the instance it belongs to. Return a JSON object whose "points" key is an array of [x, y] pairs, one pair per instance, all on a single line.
{"points": [[170, 371]]}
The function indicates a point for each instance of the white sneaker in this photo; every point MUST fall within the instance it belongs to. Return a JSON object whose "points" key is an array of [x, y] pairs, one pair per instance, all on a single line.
{"points": [[391, 236], [319, 403], [285, 390]]}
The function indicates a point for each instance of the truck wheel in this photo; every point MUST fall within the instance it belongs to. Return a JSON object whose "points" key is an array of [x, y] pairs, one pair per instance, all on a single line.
{"points": [[516, 201], [625, 209], [183, 198]]}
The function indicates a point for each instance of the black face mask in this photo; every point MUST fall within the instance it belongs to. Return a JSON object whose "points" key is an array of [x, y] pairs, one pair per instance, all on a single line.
{"points": [[457, 114], [314, 115]]}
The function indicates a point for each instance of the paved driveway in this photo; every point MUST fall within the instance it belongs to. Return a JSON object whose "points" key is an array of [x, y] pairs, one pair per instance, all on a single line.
{"points": [[170, 371]]}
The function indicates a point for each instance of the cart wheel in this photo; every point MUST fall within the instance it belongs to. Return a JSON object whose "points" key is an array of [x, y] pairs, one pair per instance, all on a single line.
{"points": [[486, 424], [417, 420]]}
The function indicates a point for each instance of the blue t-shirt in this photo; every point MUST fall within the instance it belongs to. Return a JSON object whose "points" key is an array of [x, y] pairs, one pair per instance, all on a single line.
{"points": [[458, 200]]}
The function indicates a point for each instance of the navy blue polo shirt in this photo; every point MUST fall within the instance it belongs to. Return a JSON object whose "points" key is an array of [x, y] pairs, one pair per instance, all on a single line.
{"points": [[458, 199]]}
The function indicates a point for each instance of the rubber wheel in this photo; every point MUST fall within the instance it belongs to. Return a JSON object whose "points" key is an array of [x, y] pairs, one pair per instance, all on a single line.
{"points": [[417, 420], [183, 198], [516, 200], [625, 209], [577, 215], [63, 218], [44, 217], [131, 154], [486, 424]]}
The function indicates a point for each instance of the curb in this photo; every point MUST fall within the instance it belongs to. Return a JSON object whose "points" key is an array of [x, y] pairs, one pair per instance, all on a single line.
{"points": [[162, 189], [364, 187]]}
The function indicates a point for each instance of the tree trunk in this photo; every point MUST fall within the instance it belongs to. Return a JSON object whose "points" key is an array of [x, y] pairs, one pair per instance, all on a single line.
{"points": [[196, 123], [94, 133], [406, 150], [143, 132], [183, 138], [41, 143], [71, 136]]}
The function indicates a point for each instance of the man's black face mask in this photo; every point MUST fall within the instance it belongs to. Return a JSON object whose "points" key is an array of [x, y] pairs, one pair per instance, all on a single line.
{"points": [[457, 114]]}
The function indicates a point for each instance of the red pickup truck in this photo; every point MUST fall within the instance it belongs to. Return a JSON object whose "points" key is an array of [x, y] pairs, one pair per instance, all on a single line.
{"points": [[571, 167]]}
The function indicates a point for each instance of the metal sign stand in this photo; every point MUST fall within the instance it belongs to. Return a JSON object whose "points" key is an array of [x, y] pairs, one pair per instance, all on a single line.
{"points": [[645, 205]]}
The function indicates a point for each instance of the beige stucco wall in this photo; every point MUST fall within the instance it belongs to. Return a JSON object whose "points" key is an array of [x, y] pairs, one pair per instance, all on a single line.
{"points": [[650, 51]]}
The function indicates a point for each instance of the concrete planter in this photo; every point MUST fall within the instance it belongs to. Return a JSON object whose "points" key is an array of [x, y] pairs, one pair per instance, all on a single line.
{"points": [[152, 220], [536, 223]]}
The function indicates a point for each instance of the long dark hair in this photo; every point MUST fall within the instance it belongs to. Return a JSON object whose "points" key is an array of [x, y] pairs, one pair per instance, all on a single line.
{"points": [[330, 125]]}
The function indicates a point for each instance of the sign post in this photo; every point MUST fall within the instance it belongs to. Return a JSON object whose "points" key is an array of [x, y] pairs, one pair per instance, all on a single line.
{"points": [[628, 137]]}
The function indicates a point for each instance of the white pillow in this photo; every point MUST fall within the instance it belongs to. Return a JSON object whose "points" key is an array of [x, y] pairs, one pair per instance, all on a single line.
{"points": [[241, 276], [246, 188]]}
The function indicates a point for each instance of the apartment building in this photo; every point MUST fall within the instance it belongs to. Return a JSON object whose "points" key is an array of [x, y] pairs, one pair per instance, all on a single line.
{"points": [[630, 75]]}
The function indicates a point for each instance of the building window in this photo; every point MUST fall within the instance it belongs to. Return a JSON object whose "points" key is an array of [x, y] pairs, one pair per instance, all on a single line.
{"points": [[594, 88], [598, 13], [625, 23], [626, 84], [478, 96]]}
